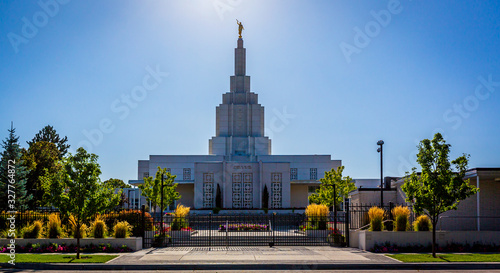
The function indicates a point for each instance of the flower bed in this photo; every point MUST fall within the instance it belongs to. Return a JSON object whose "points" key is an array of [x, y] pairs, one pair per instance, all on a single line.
{"points": [[244, 227], [134, 243], [63, 248]]}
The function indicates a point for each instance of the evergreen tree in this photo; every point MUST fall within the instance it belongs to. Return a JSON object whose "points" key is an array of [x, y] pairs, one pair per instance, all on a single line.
{"points": [[13, 175], [49, 134], [218, 197], [265, 198]]}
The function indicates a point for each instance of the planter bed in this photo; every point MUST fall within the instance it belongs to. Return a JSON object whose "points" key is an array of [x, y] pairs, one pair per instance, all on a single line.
{"points": [[134, 243]]}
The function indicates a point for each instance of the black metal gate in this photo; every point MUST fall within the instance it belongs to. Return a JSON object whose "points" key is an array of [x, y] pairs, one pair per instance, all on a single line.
{"points": [[246, 230]]}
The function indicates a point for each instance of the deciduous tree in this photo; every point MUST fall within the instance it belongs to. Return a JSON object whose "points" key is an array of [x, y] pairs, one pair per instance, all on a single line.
{"points": [[77, 189], [439, 187], [42, 157], [151, 189], [325, 194]]}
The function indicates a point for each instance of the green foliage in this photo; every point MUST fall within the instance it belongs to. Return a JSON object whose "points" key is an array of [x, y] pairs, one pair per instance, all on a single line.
{"points": [[40, 159], [77, 189], [151, 188], [13, 173], [116, 183], [376, 216], [49, 134], [34, 231], [439, 187], [265, 198], [54, 227], [401, 217], [325, 194], [216, 210], [422, 223], [122, 229]]}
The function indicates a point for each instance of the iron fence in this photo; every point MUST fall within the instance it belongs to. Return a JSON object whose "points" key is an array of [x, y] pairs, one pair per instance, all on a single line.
{"points": [[246, 230]]}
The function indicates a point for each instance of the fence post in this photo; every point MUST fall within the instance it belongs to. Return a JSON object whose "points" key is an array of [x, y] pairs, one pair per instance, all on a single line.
{"points": [[347, 222], [143, 220], [210, 229], [274, 227]]}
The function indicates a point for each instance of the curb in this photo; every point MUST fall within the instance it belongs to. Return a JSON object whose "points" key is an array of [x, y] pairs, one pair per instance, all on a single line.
{"points": [[231, 266]]}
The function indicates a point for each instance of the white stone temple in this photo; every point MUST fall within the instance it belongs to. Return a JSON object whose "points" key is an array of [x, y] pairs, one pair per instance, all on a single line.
{"points": [[240, 159]]}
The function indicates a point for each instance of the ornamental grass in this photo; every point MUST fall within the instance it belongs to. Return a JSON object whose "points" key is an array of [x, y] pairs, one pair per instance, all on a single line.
{"points": [[422, 223], [376, 216], [401, 217]]}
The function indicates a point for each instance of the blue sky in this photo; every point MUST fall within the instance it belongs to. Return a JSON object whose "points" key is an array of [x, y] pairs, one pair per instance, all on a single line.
{"points": [[349, 72]]}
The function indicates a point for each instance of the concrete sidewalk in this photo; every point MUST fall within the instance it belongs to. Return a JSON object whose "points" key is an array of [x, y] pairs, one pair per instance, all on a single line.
{"points": [[251, 255]]}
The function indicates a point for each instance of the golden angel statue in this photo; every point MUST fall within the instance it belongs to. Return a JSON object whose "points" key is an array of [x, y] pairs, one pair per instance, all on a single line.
{"points": [[240, 27]]}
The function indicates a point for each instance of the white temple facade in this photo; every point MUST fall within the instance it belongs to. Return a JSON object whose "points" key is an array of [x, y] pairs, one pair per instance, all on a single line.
{"points": [[240, 160]]}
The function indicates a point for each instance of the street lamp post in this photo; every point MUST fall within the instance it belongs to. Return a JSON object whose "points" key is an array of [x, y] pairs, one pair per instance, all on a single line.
{"points": [[380, 150]]}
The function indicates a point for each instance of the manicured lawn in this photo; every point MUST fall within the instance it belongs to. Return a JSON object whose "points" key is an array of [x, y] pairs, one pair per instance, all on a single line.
{"points": [[424, 258], [57, 258]]}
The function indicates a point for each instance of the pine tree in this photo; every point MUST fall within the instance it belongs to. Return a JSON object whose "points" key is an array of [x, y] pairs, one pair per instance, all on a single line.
{"points": [[16, 178], [49, 134]]}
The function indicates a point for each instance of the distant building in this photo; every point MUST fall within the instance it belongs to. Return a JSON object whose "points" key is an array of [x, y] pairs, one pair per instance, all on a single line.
{"points": [[478, 212], [240, 160]]}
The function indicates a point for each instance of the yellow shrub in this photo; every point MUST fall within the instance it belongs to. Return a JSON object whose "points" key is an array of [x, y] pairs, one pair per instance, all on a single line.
{"points": [[401, 215], [54, 229], [98, 228], [422, 223], [82, 233], [316, 210], [181, 211], [316, 216], [34, 231], [122, 229], [376, 216]]}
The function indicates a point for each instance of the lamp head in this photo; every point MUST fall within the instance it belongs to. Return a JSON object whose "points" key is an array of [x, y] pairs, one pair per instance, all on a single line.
{"points": [[378, 150], [380, 142]]}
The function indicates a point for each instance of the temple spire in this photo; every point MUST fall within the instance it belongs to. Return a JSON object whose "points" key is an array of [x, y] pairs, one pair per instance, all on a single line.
{"points": [[239, 59]]}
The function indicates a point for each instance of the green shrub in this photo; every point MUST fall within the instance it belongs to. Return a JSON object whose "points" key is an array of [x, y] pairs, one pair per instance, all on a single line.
{"points": [[376, 216], [401, 215], [216, 210], [54, 227], [34, 231], [99, 228], [422, 223], [122, 229]]}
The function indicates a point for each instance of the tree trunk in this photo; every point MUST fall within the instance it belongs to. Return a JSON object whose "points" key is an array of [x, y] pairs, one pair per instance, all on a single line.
{"points": [[78, 246]]}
